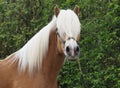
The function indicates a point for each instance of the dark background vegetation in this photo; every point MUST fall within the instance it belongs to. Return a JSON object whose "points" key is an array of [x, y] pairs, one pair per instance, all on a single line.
{"points": [[100, 37]]}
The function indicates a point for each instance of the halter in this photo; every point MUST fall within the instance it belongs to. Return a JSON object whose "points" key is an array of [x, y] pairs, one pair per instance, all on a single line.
{"points": [[63, 41]]}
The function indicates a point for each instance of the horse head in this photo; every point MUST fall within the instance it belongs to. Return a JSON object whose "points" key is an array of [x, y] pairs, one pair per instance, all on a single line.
{"points": [[68, 32]]}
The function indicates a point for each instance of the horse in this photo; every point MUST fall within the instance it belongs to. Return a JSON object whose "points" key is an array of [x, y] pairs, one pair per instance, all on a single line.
{"points": [[38, 62]]}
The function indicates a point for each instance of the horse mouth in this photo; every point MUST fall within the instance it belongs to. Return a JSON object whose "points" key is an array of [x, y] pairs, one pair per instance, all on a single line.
{"points": [[72, 58]]}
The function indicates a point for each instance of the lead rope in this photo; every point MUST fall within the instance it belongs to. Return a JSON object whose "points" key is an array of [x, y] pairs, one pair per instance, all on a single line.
{"points": [[81, 74]]}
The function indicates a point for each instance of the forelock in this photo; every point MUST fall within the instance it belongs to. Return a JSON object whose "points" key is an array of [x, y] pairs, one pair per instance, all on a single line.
{"points": [[68, 23]]}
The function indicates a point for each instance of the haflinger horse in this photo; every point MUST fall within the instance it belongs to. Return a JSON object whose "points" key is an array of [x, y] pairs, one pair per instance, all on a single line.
{"points": [[37, 63]]}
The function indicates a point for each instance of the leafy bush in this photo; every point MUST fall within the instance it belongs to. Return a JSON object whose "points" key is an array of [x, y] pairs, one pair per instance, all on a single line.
{"points": [[100, 38]]}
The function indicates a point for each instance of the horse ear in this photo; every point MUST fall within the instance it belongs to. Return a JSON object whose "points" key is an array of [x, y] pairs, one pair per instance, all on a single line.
{"points": [[56, 10], [76, 9]]}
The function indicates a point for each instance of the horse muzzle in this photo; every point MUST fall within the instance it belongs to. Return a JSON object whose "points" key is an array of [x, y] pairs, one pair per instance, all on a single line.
{"points": [[72, 50]]}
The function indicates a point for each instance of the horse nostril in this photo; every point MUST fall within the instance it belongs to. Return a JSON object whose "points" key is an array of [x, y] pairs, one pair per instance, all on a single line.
{"points": [[67, 49], [77, 50]]}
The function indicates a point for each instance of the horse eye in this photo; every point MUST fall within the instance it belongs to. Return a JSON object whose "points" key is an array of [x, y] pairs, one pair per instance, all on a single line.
{"points": [[77, 42], [78, 38]]}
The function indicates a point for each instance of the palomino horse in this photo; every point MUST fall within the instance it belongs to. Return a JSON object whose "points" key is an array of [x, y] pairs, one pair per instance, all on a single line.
{"points": [[37, 63]]}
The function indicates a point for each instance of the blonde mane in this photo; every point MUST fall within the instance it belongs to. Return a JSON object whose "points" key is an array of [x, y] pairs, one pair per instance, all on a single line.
{"points": [[32, 53]]}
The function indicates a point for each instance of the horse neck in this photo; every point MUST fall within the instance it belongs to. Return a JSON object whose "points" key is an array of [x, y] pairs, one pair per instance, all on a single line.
{"points": [[53, 60]]}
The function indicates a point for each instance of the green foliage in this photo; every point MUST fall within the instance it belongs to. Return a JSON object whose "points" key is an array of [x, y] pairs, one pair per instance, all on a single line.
{"points": [[100, 37]]}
